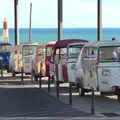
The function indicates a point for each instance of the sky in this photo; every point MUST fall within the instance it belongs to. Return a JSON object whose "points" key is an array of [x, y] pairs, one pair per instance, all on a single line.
{"points": [[76, 13]]}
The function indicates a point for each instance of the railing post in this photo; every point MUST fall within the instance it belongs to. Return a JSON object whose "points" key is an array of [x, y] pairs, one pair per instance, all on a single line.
{"points": [[40, 80], [1, 71], [57, 87], [70, 93], [93, 102], [22, 74], [49, 84]]}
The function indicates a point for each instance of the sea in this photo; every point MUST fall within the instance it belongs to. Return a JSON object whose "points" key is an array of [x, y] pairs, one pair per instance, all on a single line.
{"points": [[43, 35]]}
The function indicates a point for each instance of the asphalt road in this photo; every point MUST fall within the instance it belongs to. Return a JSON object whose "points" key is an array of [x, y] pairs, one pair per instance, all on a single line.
{"points": [[32, 102]]}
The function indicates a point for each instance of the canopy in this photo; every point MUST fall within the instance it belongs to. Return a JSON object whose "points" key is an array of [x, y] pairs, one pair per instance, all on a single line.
{"points": [[65, 42]]}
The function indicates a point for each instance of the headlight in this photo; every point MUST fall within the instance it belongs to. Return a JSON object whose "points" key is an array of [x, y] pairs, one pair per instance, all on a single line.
{"points": [[106, 72], [73, 66]]}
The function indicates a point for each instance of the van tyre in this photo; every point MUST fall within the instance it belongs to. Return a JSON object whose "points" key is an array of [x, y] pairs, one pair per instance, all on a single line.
{"points": [[13, 73], [102, 94], [81, 91]]}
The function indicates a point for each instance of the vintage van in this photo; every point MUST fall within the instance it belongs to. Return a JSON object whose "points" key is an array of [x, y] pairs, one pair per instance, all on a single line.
{"points": [[21, 57], [98, 67]]}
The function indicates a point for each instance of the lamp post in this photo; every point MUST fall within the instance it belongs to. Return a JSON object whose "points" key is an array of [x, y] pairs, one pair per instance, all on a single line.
{"points": [[30, 19], [16, 22], [60, 20], [99, 20]]}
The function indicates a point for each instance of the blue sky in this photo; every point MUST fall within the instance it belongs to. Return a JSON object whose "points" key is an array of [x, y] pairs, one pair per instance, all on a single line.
{"points": [[77, 13]]}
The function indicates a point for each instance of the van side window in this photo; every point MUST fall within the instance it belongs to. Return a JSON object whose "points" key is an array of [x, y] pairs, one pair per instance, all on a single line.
{"points": [[63, 53], [86, 53], [52, 55], [56, 55], [93, 52], [15, 51]]}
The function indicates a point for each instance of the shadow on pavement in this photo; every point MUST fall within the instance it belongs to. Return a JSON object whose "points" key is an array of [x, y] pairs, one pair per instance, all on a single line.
{"points": [[33, 102]]}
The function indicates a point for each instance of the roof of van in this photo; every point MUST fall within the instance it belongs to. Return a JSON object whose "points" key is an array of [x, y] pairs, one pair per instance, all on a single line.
{"points": [[29, 43], [65, 42], [50, 44], [4, 43], [102, 43]]}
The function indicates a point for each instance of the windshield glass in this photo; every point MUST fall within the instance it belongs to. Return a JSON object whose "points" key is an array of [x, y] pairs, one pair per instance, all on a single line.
{"points": [[74, 50], [41, 51], [5, 48], [29, 50], [49, 51], [109, 54]]}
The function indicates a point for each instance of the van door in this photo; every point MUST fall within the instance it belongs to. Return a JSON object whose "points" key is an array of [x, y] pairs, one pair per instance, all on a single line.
{"points": [[63, 64], [73, 51], [16, 54], [27, 59], [58, 68]]}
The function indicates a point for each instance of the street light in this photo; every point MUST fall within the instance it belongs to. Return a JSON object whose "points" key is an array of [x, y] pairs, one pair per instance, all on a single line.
{"points": [[99, 19], [30, 19], [60, 20], [16, 22]]}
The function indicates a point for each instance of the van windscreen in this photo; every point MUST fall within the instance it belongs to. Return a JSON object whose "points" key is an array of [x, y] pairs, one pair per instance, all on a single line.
{"points": [[109, 54]]}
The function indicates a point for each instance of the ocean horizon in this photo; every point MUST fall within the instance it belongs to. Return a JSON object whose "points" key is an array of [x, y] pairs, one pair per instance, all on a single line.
{"points": [[50, 34]]}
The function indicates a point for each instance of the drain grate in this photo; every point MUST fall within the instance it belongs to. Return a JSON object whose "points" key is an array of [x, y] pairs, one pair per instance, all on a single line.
{"points": [[110, 114]]}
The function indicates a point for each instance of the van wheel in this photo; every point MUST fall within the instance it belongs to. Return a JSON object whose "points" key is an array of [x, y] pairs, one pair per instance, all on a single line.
{"points": [[36, 78], [13, 73], [102, 93], [81, 92], [118, 94], [8, 71]]}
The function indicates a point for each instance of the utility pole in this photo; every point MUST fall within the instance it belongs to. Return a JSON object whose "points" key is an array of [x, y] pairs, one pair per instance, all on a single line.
{"points": [[99, 14], [60, 19], [30, 19], [16, 22]]}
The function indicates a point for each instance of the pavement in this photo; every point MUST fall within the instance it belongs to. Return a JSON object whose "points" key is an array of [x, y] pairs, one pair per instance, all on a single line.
{"points": [[27, 101], [19, 99]]}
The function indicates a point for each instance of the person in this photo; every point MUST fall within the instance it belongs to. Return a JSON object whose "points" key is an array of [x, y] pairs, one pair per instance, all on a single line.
{"points": [[113, 38]]}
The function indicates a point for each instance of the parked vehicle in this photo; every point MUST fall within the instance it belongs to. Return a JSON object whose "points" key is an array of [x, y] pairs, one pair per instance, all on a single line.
{"points": [[22, 56], [40, 64], [5, 50], [98, 67], [65, 53]]}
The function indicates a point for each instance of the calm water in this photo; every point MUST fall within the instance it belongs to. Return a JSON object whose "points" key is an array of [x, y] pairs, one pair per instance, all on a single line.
{"points": [[45, 35]]}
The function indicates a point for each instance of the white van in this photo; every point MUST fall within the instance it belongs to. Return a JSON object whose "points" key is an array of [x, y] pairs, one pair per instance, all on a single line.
{"points": [[22, 56], [98, 67]]}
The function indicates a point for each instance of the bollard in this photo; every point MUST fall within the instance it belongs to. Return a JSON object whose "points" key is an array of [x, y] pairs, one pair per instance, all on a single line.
{"points": [[22, 74], [40, 80], [1, 71], [57, 88], [93, 102], [70, 93], [49, 84], [31, 76]]}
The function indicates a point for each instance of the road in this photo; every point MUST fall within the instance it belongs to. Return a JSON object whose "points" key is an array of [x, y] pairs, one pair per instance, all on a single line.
{"points": [[26, 99], [19, 99]]}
